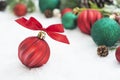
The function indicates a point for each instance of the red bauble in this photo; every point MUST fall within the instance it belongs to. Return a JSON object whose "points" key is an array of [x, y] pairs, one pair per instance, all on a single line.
{"points": [[20, 9], [87, 18], [33, 52], [66, 10], [117, 54]]}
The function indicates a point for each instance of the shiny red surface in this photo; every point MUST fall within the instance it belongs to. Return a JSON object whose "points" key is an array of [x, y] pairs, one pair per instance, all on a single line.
{"points": [[117, 54], [33, 52], [87, 18]]}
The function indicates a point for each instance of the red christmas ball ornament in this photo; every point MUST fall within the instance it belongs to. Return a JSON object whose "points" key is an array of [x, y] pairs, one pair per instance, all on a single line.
{"points": [[66, 10], [34, 51], [20, 9], [86, 19], [117, 54]]}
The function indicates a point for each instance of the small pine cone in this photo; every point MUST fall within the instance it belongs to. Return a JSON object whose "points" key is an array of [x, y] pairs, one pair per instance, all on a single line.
{"points": [[102, 51], [48, 13], [3, 5]]}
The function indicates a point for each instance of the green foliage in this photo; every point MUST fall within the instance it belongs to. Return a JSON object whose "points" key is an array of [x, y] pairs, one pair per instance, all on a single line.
{"points": [[30, 6], [29, 3], [11, 3], [69, 3]]}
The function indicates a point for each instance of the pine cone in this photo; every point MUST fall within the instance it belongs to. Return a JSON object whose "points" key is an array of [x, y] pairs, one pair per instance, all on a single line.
{"points": [[48, 13], [102, 51], [3, 5], [84, 3]]}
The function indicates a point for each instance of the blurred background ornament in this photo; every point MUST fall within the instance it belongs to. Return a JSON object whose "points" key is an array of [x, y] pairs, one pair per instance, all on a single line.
{"points": [[65, 10], [117, 54], [57, 13], [21, 7], [48, 4], [47, 7], [69, 20], [3, 5], [87, 18]]}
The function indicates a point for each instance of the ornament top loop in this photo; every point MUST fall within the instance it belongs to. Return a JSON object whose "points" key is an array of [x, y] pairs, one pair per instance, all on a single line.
{"points": [[41, 35], [53, 30]]}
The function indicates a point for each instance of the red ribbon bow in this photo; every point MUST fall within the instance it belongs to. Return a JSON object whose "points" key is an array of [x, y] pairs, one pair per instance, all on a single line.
{"points": [[52, 30]]}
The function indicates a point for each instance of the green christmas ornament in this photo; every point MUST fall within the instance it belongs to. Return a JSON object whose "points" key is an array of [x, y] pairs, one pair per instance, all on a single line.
{"points": [[48, 4], [106, 31], [69, 20]]}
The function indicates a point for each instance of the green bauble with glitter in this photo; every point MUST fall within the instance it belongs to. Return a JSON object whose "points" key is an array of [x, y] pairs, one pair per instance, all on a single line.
{"points": [[105, 31], [69, 20], [48, 4]]}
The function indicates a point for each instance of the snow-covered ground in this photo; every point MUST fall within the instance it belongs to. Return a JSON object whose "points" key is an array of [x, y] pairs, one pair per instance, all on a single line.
{"points": [[77, 61]]}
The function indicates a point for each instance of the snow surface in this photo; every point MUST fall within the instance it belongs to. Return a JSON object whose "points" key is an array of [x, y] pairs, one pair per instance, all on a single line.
{"points": [[77, 61]]}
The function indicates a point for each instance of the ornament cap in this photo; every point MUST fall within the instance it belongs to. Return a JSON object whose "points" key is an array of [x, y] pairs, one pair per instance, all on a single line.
{"points": [[41, 35]]}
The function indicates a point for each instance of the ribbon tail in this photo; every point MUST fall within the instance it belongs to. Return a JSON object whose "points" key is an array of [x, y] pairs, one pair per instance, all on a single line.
{"points": [[58, 37]]}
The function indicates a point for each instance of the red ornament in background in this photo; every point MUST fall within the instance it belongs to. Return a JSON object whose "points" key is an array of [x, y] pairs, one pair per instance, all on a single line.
{"points": [[117, 54], [34, 51], [20, 9], [66, 10], [86, 19]]}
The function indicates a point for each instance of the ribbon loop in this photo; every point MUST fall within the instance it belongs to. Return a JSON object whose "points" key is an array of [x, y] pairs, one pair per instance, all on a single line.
{"points": [[55, 28], [52, 30], [32, 23]]}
